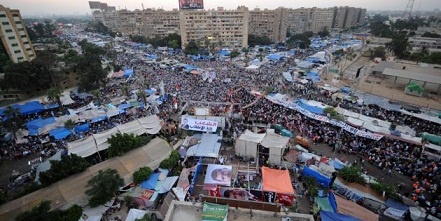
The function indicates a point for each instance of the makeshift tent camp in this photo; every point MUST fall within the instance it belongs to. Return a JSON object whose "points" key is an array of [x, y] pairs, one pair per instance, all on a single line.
{"points": [[31, 107], [276, 144], [135, 214], [71, 190], [60, 133], [283, 184], [151, 182], [246, 144], [34, 125]]}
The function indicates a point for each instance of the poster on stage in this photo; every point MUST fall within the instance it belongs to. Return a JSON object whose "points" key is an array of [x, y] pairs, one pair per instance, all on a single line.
{"points": [[238, 194], [188, 123], [218, 174], [191, 4], [270, 197], [285, 199]]}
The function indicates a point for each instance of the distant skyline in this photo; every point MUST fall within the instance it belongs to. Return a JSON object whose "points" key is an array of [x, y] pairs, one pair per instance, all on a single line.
{"points": [[81, 7]]}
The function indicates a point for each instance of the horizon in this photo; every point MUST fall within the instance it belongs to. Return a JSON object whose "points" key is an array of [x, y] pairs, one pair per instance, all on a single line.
{"points": [[32, 8]]}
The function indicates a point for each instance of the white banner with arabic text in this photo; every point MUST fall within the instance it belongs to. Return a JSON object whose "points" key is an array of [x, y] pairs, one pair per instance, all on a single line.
{"points": [[188, 123]]}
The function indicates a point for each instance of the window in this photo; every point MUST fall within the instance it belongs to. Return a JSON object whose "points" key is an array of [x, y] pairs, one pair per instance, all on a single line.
{"points": [[11, 37], [5, 23], [23, 36], [14, 45], [20, 58], [2, 16], [17, 51], [8, 30], [18, 22]]}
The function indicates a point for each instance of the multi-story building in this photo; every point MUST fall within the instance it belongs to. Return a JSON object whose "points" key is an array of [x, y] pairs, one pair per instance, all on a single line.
{"points": [[297, 20], [159, 22], [347, 17], [321, 18], [15, 45], [268, 23], [218, 27]]}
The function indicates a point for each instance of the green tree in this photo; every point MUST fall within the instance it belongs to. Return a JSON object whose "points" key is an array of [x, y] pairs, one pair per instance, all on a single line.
{"points": [[70, 124], [378, 52], [323, 33], [42, 213], [122, 143], [234, 54], [399, 45], [54, 95], [142, 174], [351, 174], [143, 95], [254, 40], [146, 217], [67, 166], [171, 161], [103, 186], [191, 48]]}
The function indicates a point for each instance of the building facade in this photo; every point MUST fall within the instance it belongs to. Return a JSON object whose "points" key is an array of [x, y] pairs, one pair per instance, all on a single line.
{"points": [[222, 27], [15, 45], [215, 28], [430, 45]]}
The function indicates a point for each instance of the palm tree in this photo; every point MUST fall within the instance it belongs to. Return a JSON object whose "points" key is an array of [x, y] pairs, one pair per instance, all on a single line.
{"points": [[125, 90], [103, 186], [142, 94], [13, 121], [70, 124], [54, 95]]}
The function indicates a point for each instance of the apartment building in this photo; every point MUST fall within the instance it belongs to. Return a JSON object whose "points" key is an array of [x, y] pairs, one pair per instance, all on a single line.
{"points": [[297, 20], [321, 18], [269, 23], [15, 45], [218, 27], [347, 17], [158, 22]]}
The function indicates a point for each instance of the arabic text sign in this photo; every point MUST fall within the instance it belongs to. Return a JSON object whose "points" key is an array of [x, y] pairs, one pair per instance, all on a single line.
{"points": [[198, 125]]}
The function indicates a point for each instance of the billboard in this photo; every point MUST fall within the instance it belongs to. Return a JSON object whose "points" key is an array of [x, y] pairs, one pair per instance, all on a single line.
{"points": [[218, 174], [191, 4]]}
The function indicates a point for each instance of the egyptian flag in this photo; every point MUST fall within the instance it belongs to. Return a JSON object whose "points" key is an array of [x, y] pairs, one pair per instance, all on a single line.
{"points": [[178, 87], [285, 199]]}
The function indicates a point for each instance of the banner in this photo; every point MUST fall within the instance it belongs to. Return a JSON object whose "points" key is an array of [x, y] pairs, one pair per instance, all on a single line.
{"points": [[346, 127], [191, 4], [214, 212], [198, 125]]}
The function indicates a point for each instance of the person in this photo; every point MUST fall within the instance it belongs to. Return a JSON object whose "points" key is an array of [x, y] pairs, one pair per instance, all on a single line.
{"points": [[222, 175], [235, 194], [184, 124]]}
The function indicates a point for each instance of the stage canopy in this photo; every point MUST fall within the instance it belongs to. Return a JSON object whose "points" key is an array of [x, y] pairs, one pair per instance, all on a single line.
{"points": [[283, 184], [276, 143]]}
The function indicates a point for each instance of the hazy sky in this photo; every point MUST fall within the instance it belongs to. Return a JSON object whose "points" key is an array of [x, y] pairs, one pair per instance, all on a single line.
{"points": [[40, 7]]}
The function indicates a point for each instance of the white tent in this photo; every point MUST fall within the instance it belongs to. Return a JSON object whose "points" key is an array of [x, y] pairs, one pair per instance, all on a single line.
{"points": [[132, 127], [101, 138], [246, 144], [276, 143], [82, 148], [252, 67]]}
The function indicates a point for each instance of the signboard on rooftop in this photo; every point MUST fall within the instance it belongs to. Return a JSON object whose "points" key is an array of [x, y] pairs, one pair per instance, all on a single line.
{"points": [[191, 4]]}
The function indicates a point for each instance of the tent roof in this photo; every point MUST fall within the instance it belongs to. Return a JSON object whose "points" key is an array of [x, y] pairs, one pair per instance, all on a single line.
{"points": [[135, 214], [208, 147], [283, 184], [252, 137], [71, 190], [413, 76], [350, 208], [331, 216], [275, 141]]}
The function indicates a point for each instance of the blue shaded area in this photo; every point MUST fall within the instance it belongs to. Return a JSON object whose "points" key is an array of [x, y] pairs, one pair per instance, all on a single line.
{"points": [[195, 57], [224, 53], [313, 76], [346, 90], [150, 91], [332, 201], [34, 125], [196, 172], [321, 179], [291, 52], [337, 165], [151, 182], [60, 133], [396, 205], [330, 216], [313, 109], [274, 57], [124, 106], [30, 108], [98, 119], [52, 106], [81, 128], [128, 72], [152, 56], [190, 67]]}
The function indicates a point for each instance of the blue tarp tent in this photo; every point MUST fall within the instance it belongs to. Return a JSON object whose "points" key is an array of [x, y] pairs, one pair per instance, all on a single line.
{"points": [[346, 90], [152, 56], [51, 106], [81, 128], [330, 216], [124, 106], [337, 165], [313, 109], [98, 119], [60, 133], [224, 53], [150, 91], [195, 57], [274, 57], [313, 76], [190, 67], [332, 201], [396, 205], [128, 72], [36, 124], [151, 182], [30, 108], [320, 178]]}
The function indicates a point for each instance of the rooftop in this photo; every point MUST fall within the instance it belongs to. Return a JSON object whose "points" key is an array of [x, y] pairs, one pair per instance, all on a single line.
{"points": [[179, 211]]}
